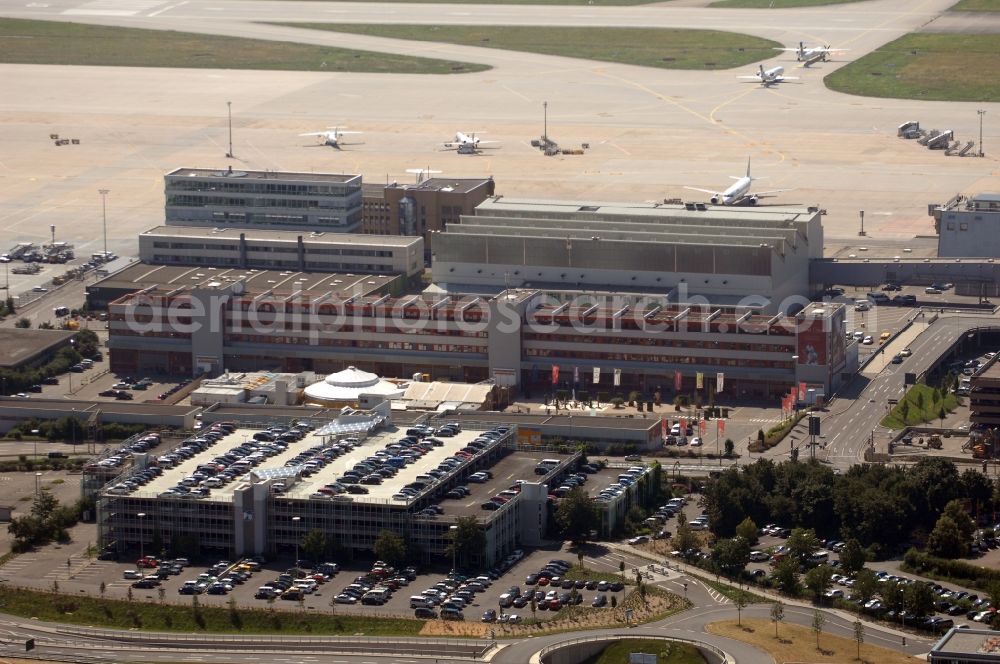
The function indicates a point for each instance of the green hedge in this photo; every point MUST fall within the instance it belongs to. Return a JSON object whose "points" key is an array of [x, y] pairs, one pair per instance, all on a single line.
{"points": [[967, 574]]}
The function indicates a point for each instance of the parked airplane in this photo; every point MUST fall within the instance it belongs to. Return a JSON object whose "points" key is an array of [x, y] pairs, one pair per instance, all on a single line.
{"points": [[739, 193], [466, 144], [770, 76], [814, 54], [331, 138]]}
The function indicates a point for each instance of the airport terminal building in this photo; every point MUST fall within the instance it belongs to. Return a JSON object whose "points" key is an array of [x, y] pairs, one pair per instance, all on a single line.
{"points": [[529, 340]]}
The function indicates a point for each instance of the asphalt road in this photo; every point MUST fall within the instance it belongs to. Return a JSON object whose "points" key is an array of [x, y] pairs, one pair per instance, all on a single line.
{"points": [[853, 419]]}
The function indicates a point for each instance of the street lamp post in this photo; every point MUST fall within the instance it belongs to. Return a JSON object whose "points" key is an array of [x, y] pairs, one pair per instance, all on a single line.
{"points": [[295, 521], [38, 477], [545, 121], [981, 114], [104, 217], [142, 548], [229, 107], [453, 532], [34, 435]]}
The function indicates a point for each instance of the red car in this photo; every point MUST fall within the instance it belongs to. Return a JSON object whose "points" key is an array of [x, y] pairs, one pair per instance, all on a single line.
{"points": [[148, 561]]}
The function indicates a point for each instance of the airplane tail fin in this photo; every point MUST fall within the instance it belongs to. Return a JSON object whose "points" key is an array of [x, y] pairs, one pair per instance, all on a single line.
{"points": [[748, 168], [802, 49], [761, 71]]}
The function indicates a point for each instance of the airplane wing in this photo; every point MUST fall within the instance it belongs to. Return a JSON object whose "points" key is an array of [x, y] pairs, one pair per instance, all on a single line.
{"points": [[704, 191], [486, 142], [750, 78], [777, 48], [342, 133], [787, 78], [766, 194], [316, 133]]}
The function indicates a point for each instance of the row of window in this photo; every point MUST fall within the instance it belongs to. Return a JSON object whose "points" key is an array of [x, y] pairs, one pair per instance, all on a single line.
{"points": [[259, 187], [570, 356], [659, 341]]}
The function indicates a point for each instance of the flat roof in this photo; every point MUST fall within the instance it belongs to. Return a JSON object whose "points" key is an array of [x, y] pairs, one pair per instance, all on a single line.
{"points": [[233, 174], [21, 346], [992, 370], [502, 205], [334, 470], [449, 185], [252, 234], [140, 276], [515, 466], [982, 642], [101, 408]]}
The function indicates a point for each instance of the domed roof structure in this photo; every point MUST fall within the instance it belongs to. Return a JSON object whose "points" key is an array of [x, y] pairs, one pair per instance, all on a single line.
{"points": [[344, 387]]}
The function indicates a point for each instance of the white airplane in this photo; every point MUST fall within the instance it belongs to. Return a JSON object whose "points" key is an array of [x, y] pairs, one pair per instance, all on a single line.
{"points": [[331, 138], [770, 76], [739, 192], [466, 144], [814, 54]]}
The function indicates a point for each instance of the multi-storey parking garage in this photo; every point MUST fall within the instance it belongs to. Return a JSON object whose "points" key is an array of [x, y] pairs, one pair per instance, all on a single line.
{"points": [[236, 491], [260, 491]]}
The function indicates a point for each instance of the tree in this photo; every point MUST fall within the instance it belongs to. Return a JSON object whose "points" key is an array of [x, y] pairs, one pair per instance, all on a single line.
{"points": [[685, 540], [802, 544], [786, 576], [818, 580], [852, 557], [859, 635], [993, 592], [576, 516], [866, 584], [740, 600], [947, 539], [817, 624], [978, 489], [468, 539], [955, 509], [919, 599], [894, 596], [22, 323], [942, 414], [731, 555], [44, 504], [534, 605], [314, 544], [747, 529], [777, 615], [729, 448], [103, 588], [87, 342], [390, 547]]}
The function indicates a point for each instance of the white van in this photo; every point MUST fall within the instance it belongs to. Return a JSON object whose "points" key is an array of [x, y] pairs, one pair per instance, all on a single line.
{"points": [[419, 602], [549, 462]]}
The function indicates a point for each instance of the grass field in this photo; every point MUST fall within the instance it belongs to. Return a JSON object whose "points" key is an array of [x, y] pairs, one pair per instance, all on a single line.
{"points": [[796, 643], [121, 614], [56, 43], [920, 407], [647, 47], [936, 67], [667, 652], [977, 6], [776, 4], [585, 573]]}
